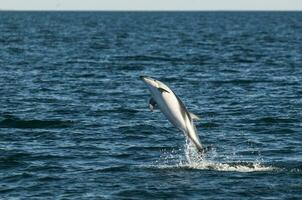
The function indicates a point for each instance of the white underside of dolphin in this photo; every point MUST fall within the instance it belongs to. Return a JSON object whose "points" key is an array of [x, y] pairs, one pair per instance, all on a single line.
{"points": [[173, 108]]}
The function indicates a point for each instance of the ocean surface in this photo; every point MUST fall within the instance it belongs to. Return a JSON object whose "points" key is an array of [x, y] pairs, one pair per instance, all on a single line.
{"points": [[74, 117]]}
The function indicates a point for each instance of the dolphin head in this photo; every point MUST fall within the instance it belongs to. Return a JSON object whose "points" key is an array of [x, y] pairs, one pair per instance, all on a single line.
{"points": [[150, 82], [154, 85]]}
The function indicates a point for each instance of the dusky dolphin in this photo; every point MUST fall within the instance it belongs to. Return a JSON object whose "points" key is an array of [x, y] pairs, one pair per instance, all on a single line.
{"points": [[174, 109]]}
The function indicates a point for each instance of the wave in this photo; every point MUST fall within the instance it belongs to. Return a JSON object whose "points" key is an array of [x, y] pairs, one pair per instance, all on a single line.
{"points": [[145, 58], [272, 120], [14, 122]]}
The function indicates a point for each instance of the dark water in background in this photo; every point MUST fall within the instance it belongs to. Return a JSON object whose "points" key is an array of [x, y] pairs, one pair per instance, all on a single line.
{"points": [[75, 121]]}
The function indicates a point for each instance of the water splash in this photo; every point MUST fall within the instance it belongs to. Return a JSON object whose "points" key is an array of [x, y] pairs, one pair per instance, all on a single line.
{"points": [[193, 160]]}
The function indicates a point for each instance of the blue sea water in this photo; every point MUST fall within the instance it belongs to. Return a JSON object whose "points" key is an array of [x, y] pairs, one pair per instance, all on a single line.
{"points": [[74, 118]]}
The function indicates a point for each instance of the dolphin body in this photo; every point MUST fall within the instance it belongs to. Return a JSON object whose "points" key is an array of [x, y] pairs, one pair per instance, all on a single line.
{"points": [[173, 108]]}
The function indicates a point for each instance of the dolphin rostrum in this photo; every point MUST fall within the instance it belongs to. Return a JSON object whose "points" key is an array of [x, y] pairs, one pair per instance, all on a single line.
{"points": [[173, 108]]}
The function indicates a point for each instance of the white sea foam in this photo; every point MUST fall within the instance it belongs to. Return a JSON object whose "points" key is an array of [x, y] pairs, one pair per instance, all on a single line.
{"points": [[193, 160], [208, 165]]}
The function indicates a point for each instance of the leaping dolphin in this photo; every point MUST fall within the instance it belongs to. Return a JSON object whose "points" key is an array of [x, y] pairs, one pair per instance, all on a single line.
{"points": [[173, 108]]}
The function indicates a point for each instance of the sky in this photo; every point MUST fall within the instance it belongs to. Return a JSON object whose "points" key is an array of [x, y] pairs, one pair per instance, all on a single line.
{"points": [[150, 4]]}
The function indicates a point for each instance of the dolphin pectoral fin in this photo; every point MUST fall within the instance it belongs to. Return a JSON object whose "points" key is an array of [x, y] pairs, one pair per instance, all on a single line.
{"points": [[193, 116], [152, 104], [163, 90]]}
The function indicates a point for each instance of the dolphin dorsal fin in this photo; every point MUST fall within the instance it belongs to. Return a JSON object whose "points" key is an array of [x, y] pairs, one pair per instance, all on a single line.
{"points": [[193, 116], [152, 104]]}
